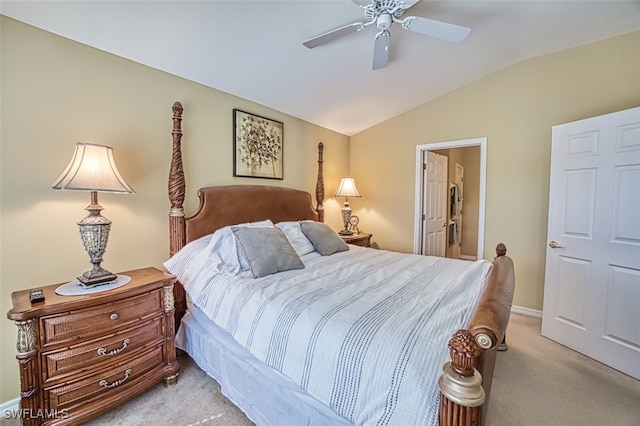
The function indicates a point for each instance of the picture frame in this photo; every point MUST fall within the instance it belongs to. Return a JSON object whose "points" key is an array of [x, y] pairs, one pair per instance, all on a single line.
{"points": [[257, 146]]}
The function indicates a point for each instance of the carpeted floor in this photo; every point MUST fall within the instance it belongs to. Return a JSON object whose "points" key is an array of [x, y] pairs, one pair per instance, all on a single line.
{"points": [[537, 382]]}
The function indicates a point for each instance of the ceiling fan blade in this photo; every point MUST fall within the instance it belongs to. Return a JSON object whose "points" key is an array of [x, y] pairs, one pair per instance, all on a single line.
{"points": [[442, 30], [381, 50], [409, 3], [333, 34], [362, 3]]}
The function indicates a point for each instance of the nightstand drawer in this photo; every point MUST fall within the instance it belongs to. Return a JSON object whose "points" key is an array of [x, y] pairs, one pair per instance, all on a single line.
{"points": [[78, 358], [103, 384], [99, 320]]}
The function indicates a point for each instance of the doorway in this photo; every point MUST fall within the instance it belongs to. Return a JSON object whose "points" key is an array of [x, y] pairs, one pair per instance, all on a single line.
{"points": [[476, 209]]}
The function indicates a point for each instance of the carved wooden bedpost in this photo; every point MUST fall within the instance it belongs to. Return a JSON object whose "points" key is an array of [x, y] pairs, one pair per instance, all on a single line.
{"points": [[177, 236], [176, 185], [462, 391], [320, 185]]}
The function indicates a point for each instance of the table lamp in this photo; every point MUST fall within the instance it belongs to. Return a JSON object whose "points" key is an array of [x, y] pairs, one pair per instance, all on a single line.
{"points": [[93, 169], [347, 189]]}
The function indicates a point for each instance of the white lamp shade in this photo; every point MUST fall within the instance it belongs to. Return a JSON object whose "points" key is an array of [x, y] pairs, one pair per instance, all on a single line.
{"points": [[92, 168], [347, 188]]}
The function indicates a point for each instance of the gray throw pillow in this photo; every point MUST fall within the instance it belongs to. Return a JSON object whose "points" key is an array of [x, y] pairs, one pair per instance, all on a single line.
{"points": [[268, 250], [323, 238]]}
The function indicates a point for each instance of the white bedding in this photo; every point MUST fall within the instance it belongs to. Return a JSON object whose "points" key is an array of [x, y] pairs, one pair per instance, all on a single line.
{"points": [[363, 331]]}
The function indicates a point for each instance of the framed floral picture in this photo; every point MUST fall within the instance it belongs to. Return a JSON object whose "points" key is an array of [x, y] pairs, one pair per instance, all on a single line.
{"points": [[257, 146]]}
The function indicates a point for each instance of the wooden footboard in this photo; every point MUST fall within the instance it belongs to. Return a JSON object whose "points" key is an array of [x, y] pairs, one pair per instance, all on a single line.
{"points": [[466, 380], [465, 384]]}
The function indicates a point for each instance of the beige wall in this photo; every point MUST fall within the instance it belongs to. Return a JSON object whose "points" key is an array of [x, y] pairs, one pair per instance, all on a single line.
{"points": [[515, 109], [56, 92]]}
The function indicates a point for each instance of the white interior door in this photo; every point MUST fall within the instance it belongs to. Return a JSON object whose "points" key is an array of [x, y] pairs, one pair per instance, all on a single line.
{"points": [[592, 277], [434, 204]]}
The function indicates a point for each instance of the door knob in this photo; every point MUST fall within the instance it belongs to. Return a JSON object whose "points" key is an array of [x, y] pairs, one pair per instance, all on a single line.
{"points": [[554, 244]]}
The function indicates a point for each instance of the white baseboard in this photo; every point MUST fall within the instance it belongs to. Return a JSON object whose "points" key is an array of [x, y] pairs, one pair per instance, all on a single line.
{"points": [[9, 407], [526, 311]]}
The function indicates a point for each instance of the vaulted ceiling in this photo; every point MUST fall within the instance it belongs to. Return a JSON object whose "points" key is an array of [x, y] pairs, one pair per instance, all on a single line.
{"points": [[253, 49]]}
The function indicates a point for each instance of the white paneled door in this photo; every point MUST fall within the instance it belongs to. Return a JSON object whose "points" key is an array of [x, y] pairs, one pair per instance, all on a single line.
{"points": [[434, 204], [592, 277]]}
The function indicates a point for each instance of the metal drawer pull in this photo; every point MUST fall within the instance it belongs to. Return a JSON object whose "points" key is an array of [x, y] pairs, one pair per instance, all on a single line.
{"points": [[103, 351], [113, 316], [117, 383]]}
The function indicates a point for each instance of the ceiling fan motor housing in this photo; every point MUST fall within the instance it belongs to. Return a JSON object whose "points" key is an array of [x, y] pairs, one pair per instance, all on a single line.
{"points": [[389, 8]]}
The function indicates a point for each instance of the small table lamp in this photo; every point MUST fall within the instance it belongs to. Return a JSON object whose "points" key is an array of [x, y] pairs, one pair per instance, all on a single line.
{"points": [[92, 168], [347, 189]]}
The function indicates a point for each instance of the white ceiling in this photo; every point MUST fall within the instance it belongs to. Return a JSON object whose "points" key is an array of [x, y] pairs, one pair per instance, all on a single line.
{"points": [[253, 49]]}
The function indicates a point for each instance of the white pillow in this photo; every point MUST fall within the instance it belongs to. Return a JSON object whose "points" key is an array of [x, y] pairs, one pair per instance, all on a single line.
{"points": [[190, 260], [224, 251], [296, 237]]}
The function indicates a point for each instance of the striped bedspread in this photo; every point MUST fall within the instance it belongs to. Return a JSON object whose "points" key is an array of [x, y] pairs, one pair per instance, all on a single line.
{"points": [[364, 331]]}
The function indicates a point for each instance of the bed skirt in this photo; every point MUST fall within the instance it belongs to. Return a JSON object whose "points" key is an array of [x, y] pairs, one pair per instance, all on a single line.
{"points": [[262, 393]]}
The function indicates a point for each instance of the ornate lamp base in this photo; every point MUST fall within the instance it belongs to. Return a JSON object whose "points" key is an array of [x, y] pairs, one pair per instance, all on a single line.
{"points": [[94, 232], [346, 215], [93, 278]]}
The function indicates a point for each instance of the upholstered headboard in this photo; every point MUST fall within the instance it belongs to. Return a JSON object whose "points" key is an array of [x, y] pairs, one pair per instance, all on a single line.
{"points": [[228, 205]]}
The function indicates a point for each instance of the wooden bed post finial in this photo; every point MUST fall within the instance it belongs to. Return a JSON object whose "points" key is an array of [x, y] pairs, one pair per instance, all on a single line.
{"points": [[464, 352], [320, 184], [461, 392]]}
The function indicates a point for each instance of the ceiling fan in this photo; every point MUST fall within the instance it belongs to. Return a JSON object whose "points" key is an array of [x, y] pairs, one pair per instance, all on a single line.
{"points": [[383, 13]]}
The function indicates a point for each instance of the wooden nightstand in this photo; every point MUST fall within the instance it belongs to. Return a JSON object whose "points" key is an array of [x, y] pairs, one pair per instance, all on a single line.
{"points": [[81, 356], [361, 239]]}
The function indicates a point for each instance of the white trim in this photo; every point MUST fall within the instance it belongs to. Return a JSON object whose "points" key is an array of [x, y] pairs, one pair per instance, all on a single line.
{"points": [[417, 221], [526, 311], [9, 407]]}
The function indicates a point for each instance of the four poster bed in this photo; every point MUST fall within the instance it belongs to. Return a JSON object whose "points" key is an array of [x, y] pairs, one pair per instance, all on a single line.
{"points": [[299, 328]]}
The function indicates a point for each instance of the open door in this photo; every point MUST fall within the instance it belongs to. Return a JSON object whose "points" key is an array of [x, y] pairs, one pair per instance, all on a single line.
{"points": [[592, 276], [434, 204]]}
